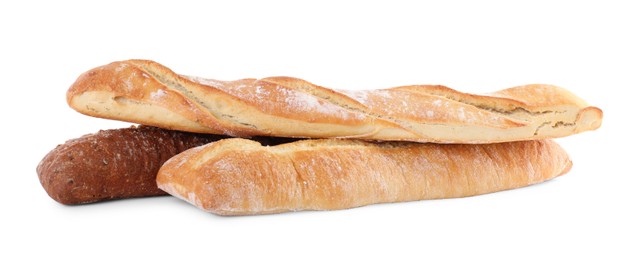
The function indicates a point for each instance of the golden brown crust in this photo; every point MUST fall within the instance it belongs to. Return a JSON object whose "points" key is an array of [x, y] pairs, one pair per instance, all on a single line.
{"points": [[146, 92], [241, 177]]}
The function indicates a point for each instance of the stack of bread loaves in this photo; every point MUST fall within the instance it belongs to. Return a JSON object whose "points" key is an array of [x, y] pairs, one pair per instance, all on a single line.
{"points": [[233, 148]]}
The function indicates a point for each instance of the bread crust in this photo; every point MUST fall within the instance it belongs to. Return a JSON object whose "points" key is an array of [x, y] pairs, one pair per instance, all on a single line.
{"points": [[146, 92], [241, 177]]}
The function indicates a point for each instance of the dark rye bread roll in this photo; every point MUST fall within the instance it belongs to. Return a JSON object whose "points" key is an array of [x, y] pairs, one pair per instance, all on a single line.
{"points": [[116, 164], [112, 164]]}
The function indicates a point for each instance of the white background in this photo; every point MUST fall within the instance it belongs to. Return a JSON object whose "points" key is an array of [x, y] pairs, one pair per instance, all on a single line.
{"points": [[475, 46]]}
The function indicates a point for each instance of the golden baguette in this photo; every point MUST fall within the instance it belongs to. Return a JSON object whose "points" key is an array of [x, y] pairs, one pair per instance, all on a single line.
{"points": [[146, 92], [241, 177]]}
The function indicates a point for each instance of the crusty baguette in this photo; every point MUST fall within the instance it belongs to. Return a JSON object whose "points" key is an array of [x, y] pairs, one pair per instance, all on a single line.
{"points": [[146, 92], [241, 177], [115, 164]]}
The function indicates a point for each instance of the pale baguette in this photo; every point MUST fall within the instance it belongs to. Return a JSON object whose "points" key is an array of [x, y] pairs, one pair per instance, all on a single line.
{"points": [[241, 177], [146, 92]]}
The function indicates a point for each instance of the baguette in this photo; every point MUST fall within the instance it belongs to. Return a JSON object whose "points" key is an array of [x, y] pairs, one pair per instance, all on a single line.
{"points": [[115, 164], [146, 92], [241, 177]]}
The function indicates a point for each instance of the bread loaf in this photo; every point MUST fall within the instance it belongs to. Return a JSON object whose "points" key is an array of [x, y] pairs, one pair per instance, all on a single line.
{"points": [[112, 164], [241, 177], [146, 92]]}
